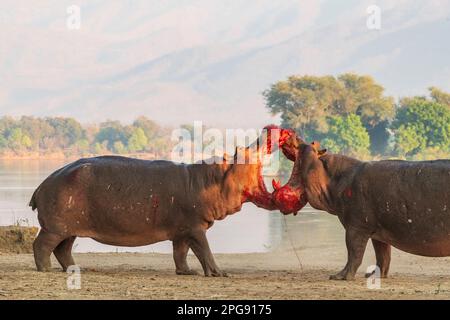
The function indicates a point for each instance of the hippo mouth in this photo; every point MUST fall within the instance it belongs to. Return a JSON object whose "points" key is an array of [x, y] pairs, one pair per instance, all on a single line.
{"points": [[288, 199], [271, 139], [291, 197]]}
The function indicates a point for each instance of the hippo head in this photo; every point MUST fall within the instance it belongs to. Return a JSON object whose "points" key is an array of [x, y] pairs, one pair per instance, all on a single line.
{"points": [[271, 139], [291, 197]]}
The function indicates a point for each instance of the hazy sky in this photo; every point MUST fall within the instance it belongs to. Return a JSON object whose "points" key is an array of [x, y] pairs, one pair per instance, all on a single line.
{"points": [[180, 61]]}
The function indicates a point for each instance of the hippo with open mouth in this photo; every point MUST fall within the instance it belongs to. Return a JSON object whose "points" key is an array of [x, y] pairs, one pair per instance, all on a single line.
{"points": [[404, 204], [129, 202]]}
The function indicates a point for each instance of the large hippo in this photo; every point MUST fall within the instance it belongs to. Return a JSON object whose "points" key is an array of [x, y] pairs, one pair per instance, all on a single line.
{"points": [[129, 202], [400, 203]]}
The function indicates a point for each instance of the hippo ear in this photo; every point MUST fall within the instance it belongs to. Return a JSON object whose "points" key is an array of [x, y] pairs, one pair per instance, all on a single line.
{"points": [[316, 145], [322, 152]]}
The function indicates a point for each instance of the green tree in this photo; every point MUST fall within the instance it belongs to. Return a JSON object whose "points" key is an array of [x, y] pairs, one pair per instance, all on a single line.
{"points": [[83, 145], [111, 132], [306, 102], [100, 148], [439, 96], [3, 142], [419, 124], [150, 127], [15, 138], [7, 123], [26, 141], [138, 140], [119, 147], [67, 135], [34, 129], [67, 131], [347, 135], [158, 137], [408, 140], [363, 96]]}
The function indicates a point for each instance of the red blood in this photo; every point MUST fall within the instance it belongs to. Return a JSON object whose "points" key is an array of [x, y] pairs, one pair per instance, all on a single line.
{"points": [[155, 202], [284, 135], [348, 192], [289, 200], [260, 197]]}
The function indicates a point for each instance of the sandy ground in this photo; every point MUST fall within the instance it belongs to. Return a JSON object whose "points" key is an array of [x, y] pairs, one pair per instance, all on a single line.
{"points": [[275, 275]]}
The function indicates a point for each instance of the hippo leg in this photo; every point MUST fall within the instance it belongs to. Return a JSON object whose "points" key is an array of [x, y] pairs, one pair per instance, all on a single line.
{"points": [[180, 251], [383, 254], [199, 244], [63, 253], [356, 242], [43, 246]]}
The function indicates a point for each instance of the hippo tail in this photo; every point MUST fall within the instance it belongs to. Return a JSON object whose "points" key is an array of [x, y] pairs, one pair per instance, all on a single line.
{"points": [[33, 202]]}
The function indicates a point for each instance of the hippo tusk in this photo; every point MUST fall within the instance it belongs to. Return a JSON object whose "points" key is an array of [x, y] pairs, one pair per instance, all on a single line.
{"points": [[276, 184]]}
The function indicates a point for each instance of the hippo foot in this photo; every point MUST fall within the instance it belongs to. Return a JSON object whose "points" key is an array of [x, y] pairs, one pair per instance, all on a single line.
{"points": [[43, 269], [342, 276], [188, 272], [216, 274]]}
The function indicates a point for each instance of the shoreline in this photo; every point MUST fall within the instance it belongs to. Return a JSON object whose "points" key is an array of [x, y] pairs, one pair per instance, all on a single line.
{"points": [[273, 275]]}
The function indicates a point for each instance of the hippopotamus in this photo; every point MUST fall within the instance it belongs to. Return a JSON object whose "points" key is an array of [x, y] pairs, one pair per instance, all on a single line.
{"points": [[122, 201], [404, 204]]}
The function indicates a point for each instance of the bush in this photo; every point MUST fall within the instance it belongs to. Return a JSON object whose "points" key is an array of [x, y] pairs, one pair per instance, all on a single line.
{"points": [[347, 135], [420, 124]]}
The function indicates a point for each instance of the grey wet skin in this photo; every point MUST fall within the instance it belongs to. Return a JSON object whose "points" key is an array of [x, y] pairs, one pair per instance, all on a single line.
{"points": [[404, 204], [129, 202]]}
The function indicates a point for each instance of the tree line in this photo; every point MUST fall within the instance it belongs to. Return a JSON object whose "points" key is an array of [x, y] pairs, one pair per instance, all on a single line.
{"points": [[67, 135], [350, 114]]}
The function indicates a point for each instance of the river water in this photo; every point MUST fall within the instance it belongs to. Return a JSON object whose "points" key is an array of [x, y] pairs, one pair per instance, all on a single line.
{"points": [[250, 230]]}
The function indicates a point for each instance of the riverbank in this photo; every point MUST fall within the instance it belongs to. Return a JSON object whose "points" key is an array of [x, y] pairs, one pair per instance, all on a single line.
{"points": [[275, 275]]}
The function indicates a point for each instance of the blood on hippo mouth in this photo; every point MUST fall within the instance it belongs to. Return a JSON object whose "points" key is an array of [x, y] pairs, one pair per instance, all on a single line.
{"points": [[262, 198], [285, 198], [283, 136], [288, 199], [291, 197]]}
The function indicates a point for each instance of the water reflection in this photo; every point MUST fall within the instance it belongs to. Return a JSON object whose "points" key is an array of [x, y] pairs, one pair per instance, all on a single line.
{"points": [[250, 230]]}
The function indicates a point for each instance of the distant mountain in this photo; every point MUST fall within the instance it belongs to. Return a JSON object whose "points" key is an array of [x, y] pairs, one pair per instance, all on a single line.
{"points": [[180, 61]]}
